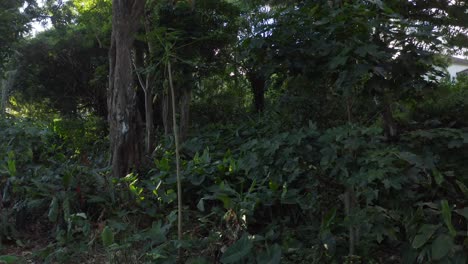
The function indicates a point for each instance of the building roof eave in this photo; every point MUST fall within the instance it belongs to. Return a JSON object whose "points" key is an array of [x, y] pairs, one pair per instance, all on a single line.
{"points": [[455, 60]]}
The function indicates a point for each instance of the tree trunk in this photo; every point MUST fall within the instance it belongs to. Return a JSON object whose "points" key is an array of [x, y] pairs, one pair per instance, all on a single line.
{"points": [[176, 141], [258, 83], [146, 85], [6, 85], [389, 124], [185, 99], [167, 111], [149, 120], [4, 99], [149, 105], [123, 115]]}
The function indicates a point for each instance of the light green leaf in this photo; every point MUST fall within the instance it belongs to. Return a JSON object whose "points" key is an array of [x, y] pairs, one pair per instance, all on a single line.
{"points": [[201, 205], [82, 215], [107, 237], [163, 164], [53, 210], [424, 234], [238, 250], [227, 202], [441, 246], [447, 216]]}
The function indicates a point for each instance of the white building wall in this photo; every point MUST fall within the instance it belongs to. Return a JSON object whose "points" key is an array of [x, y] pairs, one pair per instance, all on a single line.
{"points": [[454, 68]]}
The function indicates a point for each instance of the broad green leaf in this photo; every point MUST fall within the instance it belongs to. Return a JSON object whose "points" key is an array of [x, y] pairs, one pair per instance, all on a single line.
{"points": [[438, 177], [53, 210], [198, 260], [82, 215], [447, 216], [462, 187], [107, 237], [328, 219], [412, 159], [11, 164], [273, 185], [337, 61], [328, 241], [201, 205], [66, 209], [172, 217], [441, 246], [197, 179], [271, 256], [227, 202], [6, 195], [409, 255], [205, 158], [163, 164], [117, 225], [8, 259], [463, 212], [425, 233], [455, 144], [66, 179], [157, 233], [249, 162], [238, 250], [460, 257]]}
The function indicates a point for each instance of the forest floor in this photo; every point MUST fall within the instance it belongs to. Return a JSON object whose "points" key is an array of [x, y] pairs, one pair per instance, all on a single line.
{"points": [[34, 246]]}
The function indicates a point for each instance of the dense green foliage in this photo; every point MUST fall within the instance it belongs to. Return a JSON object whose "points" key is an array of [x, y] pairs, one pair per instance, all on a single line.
{"points": [[320, 132]]}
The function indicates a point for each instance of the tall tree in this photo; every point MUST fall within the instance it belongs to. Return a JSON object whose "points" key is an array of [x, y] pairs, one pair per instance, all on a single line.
{"points": [[123, 115], [13, 24], [255, 51], [14, 18]]}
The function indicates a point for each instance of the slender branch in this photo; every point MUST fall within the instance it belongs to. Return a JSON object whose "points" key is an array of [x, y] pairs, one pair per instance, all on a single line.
{"points": [[139, 77], [349, 194], [98, 40], [176, 138]]}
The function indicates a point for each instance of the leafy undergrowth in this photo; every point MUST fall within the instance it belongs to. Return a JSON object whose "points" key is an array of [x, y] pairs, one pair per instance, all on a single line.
{"points": [[256, 192]]}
